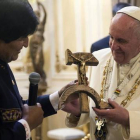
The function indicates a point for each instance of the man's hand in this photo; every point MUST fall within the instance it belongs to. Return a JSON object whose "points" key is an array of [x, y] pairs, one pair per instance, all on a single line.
{"points": [[118, 114], [33, 115], [68, 85], [72, 105]]}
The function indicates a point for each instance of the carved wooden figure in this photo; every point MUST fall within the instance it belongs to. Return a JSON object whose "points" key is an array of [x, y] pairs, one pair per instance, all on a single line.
{"points": [[82, 59], [36, 47]]}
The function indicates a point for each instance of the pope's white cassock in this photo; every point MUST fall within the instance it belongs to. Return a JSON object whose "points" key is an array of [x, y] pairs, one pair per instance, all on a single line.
{"points": [[117, 74], [110, 78]]}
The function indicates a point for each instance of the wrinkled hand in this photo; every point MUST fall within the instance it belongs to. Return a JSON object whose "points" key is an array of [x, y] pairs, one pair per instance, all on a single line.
{"points": [[33, 115], [72, 105], [118, 114]]}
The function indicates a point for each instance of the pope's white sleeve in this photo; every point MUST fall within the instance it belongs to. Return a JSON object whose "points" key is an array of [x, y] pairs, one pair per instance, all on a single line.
{"points": [[134, 131]]}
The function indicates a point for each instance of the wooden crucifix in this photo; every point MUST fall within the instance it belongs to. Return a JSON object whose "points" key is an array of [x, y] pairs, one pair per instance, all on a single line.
{"points": [[82, 59]]}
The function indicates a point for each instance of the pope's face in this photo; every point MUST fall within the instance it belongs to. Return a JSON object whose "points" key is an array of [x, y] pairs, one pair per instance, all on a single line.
{"points": [[9, 51], [124, 41]]}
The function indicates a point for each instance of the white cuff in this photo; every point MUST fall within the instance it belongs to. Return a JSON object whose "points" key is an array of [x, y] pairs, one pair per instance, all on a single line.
{"points": [[27, 128], [54, 99]]}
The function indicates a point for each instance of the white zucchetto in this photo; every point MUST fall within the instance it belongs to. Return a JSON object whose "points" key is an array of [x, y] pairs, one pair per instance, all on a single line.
{"points": [[132, 11]]}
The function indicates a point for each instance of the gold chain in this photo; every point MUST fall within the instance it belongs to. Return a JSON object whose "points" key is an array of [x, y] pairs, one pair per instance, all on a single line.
{"points": [[131, 92], [105, 72], [129, 96]]}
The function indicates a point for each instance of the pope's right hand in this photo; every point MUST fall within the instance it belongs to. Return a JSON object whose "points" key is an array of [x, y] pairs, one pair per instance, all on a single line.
{"points": [[33, 115]]}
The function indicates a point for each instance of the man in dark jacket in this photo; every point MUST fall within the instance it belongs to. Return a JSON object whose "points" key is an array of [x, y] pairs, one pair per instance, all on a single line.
{"points": [[17, 21]]}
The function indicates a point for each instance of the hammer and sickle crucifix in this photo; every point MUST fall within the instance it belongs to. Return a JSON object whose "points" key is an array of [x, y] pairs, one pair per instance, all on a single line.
{"points": [[82, 59]]}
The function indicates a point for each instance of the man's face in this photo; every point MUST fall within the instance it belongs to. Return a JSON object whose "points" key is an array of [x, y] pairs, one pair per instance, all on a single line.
{"points": [[9, 51], [124, 42]]}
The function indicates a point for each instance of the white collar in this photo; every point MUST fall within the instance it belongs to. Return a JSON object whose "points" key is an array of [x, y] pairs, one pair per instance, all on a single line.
{"points": [[132, 61]]}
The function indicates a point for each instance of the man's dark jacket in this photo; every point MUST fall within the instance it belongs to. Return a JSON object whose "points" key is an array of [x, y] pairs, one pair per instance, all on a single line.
{"points": [[11, 106]]}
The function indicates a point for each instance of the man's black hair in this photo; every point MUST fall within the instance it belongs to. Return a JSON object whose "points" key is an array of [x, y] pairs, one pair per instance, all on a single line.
{"points": [[119, 6], [17, 19]]}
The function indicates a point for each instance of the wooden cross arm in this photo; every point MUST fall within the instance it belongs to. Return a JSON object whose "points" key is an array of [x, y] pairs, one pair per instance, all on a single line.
{"points": [[77, 58]]}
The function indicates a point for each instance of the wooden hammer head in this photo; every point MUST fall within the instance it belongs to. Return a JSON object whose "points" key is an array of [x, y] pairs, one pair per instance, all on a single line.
{"points": [[77, 58]]}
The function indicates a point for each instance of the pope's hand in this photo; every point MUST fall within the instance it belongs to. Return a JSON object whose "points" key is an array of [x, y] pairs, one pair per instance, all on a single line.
{"points": [[118, 114]]}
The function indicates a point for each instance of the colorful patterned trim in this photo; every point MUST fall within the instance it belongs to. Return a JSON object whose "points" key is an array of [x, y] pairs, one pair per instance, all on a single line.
{"points": [[10, 115], [117, 92]]}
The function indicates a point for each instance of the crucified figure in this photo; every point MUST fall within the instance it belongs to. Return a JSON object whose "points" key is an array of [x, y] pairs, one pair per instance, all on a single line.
{"points": [[82, 59]]}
